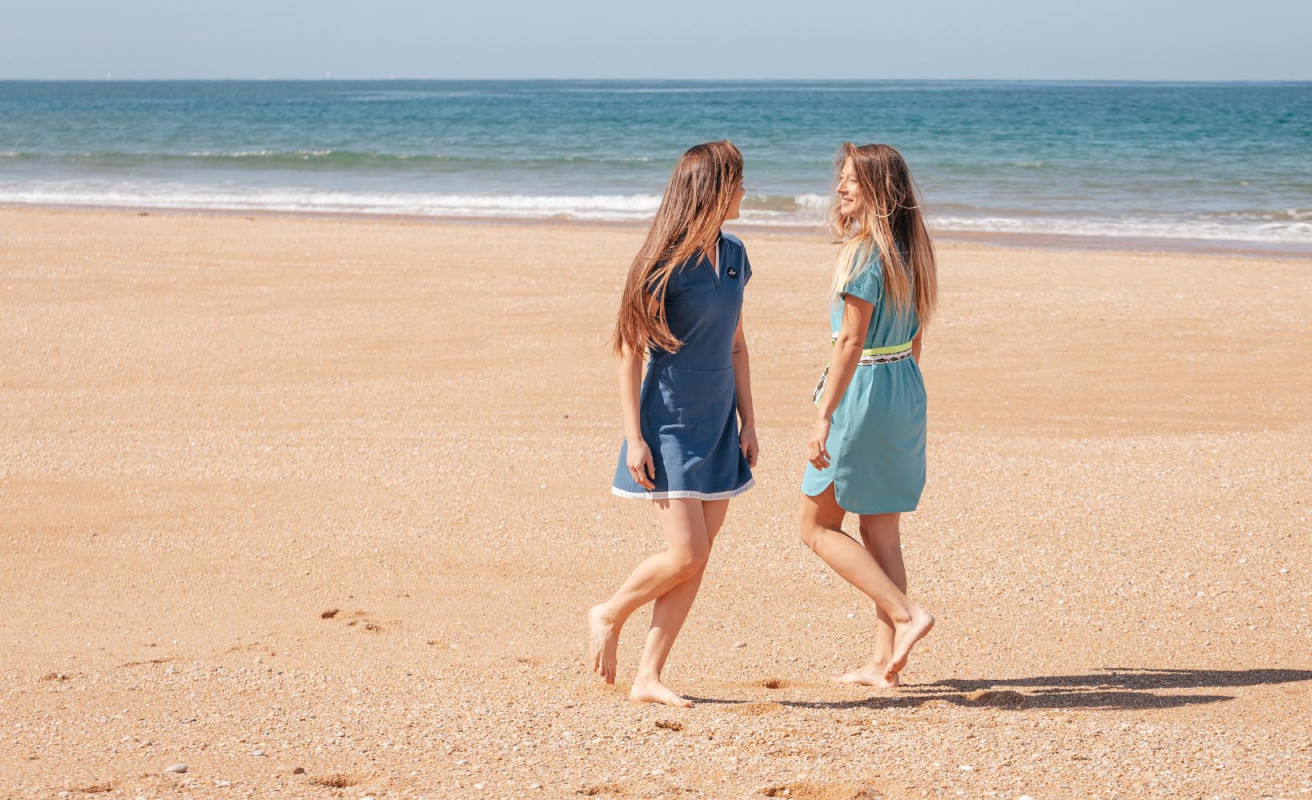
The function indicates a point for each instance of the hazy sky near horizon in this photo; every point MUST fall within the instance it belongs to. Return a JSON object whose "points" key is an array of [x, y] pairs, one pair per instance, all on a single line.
{"points": [[731, 39]]}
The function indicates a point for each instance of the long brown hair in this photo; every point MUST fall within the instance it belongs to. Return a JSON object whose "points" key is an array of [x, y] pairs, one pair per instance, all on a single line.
{"points": [[696, 201], [888, 222]]}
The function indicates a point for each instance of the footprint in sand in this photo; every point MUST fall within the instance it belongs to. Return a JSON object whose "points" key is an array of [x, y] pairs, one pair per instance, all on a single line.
{"points": [[96, 788], [147, 662], [817, 790], [336, 781], [360, 620], [1001, 698]]}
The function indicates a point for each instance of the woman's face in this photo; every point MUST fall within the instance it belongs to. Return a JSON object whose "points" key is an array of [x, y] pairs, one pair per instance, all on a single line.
{"points": [[849, 193], [735, 202]]}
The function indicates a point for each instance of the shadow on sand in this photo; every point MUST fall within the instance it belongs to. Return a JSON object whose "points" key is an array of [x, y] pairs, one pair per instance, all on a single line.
{"points": [[1110, 689]]}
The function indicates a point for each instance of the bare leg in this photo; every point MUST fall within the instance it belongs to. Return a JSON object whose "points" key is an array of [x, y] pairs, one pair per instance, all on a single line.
{"points": [[667, 618], [882, 539], [686, 549], [822, 530]]}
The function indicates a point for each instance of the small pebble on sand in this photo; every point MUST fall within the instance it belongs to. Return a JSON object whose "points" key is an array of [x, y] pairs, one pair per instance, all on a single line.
{"points": [[177, 768]]}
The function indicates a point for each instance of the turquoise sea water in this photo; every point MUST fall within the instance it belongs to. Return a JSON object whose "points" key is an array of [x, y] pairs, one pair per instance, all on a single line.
{"points": [[1226, 165]]}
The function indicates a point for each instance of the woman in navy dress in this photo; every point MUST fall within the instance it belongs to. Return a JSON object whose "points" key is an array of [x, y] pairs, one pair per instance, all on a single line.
{"points": [[689, 432]]}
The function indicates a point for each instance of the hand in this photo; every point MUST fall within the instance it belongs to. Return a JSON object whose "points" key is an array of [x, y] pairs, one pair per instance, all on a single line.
{"points": [[640, 464], [747, 441], [818, 455]]}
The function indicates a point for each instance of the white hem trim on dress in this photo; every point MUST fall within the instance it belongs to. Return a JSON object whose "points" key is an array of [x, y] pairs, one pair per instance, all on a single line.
{"points": [[683, 495]]}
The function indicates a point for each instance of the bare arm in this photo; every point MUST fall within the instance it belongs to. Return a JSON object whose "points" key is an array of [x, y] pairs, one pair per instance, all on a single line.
{"points": [[842, 366], [915, 346], [638, 459], [742, 380]]}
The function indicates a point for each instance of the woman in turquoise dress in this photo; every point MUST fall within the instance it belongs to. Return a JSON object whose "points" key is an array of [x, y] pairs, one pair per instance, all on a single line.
{"points": [[867, 449], [689, 432]]}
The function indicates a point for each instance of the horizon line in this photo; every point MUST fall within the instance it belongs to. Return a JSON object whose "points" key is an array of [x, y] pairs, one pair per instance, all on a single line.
{"points": [[329, 79]]}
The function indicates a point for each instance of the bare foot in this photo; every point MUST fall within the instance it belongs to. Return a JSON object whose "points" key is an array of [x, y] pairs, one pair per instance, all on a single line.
{"points": [[905, 637], [649, 691], [870, 675], [603, 640]]}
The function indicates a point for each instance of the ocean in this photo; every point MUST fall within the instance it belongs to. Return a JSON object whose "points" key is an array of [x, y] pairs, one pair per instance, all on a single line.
{"points": [[1170, 165]]}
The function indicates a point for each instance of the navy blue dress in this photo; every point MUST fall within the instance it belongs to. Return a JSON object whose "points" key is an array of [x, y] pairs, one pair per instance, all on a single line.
{"points": [[688, 405]]}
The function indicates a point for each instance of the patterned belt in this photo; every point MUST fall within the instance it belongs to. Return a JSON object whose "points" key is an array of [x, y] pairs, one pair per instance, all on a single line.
{"points": [[869, 356], [881, 355], [884, 355]]}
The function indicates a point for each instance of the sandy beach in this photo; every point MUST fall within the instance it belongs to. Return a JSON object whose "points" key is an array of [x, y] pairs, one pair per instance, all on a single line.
{"points": [[315, 507]]}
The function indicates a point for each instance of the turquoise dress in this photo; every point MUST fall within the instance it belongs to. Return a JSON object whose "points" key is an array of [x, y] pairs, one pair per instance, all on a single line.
{"points": [[877, 442]]}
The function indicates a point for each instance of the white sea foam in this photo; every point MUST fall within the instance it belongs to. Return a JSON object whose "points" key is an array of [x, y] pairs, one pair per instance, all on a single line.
{"points": [[587, 207], [1243, 229], [1290, 227], [304, 154]]}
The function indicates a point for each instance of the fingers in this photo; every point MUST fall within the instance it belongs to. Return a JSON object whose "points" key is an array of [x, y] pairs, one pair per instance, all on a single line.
{"points": [[639, 476], [818, 446], [750, 451], [819, 455], [644, 473]]}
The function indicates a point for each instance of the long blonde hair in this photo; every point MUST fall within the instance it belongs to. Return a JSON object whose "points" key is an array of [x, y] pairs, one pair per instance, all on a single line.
{"points": [[888, 223], [696, 202]]}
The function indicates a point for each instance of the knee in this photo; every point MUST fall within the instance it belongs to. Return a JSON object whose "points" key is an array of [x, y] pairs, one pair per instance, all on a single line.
{"points": [[688, 561], [810, 533]]}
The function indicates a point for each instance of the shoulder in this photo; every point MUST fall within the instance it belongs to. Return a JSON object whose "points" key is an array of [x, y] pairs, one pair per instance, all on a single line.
{"points": [[735, 253], [867, 281], [873, 265]]}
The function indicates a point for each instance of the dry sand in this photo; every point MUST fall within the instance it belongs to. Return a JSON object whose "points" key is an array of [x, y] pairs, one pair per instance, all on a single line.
{"points": [[333, 495]]}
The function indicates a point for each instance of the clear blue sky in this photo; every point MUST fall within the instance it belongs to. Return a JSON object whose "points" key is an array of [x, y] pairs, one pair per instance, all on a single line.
{"points": [[442, 39]]}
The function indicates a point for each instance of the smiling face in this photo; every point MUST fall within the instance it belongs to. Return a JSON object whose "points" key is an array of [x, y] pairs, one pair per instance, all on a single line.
{"points": [[849, 193]]}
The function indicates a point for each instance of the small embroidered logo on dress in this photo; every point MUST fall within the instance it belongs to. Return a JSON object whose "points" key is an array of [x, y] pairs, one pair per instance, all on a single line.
{"points": [[733, 273]]}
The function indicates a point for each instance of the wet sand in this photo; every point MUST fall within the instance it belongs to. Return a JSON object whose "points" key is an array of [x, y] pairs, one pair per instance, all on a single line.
{"points": [[332, 495]]}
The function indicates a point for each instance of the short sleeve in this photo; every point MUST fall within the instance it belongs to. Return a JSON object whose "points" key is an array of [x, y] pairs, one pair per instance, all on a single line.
{"points": [[868, 285], [747, 268]]}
